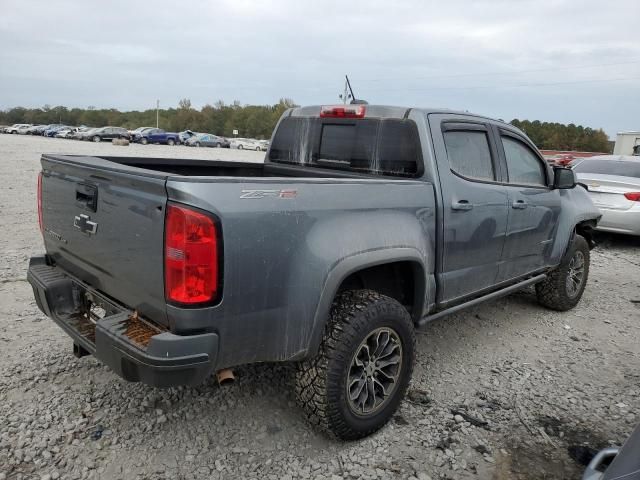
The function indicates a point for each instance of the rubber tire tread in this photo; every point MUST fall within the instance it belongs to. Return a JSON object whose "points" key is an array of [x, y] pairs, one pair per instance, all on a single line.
{"points": [[319, 386], [552, 292]]}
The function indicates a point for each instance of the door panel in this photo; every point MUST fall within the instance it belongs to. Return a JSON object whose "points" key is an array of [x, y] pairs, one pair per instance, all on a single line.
{"points": [[533, 208], [474, 206]]}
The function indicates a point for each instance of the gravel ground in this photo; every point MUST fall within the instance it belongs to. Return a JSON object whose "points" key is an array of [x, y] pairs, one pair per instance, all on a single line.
{"points": [[506, 390]]}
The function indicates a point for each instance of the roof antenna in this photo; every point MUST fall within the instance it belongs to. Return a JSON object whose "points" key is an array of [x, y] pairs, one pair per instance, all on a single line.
{"points": [[349, 95]]}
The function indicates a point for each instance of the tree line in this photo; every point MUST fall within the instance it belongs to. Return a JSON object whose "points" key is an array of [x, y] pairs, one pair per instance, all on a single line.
{"points": [[252, 121], [258, 121], [556, 136]]}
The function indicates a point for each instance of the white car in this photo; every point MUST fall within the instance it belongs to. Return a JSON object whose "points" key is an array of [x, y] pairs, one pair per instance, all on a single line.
{"points": [[245, 144], [66, 132], [15, 127], [614, 187]]}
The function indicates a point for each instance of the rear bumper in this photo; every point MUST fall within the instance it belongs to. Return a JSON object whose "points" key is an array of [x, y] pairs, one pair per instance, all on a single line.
{"points": [[620, 221], [135, 349]]}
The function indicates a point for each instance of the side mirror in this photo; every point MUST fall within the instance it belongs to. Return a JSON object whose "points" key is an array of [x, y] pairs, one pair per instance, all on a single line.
{"points": [[563, 178]]}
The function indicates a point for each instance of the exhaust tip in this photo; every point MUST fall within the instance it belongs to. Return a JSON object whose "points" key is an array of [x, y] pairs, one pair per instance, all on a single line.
{"points": [[225, 376]]}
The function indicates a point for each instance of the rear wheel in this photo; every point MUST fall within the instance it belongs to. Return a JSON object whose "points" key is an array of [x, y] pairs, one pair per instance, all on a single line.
{"points": [[218, 145], [171, 142], [96, 138], [144, 141], [240, 147], [198, 144], [564, 286], [363, 367]]}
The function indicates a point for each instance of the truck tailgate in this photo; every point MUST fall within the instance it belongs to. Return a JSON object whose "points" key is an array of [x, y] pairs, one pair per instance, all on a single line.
{"points": [[106, 227]]}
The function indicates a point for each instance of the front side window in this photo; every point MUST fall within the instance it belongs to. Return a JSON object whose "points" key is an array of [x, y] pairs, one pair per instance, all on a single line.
{"points": [[469, 154], [523, 166]]}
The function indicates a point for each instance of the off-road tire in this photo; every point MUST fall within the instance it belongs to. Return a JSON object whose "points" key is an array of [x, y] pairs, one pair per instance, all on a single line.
{"points": [[321, 381], [552, 292]]}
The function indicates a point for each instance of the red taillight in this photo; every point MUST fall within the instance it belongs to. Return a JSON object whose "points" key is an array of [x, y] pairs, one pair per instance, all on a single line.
{"points": [[40, 203], [190, 256], [633, 196], [343, 111]]}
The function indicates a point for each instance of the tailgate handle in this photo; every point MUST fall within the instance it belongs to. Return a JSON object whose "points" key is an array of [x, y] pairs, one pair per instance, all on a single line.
{"points": [[87, 196]]}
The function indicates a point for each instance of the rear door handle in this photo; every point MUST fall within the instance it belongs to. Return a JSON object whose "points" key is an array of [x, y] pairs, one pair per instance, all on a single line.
{"points": [[519, 205], [462, 205]]}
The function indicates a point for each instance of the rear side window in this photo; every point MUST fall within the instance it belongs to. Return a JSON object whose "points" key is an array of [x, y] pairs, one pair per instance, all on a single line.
{"points": [[398, 148], [469, 154], [369, 145], [289, 141], [523, 166]]}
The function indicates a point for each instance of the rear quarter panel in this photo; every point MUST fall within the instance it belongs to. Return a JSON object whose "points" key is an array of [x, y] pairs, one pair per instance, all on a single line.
{"points": [[284, 258]]}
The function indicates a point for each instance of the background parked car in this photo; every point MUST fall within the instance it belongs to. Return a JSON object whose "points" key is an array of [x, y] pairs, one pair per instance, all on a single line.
{"points": [[186, 135], [39, 130], [245, 144], [207, 140], [66, 132], [84, 134], [614, 187], [51, 132], [23, 129], [108, 133], [139, 130], [33, 130], [13, 129], [80, 132], [157, 135]]}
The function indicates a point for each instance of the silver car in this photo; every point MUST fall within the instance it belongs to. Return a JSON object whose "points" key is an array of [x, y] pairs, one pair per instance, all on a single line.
{"points": [[614, 187]]}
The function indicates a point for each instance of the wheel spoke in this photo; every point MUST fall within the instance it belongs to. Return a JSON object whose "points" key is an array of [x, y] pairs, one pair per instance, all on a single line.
{"points": [[381, 386], [359, 386], [385, 363], [389, 351]]}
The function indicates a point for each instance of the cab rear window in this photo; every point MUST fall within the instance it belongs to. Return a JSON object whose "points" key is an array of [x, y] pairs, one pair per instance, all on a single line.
{"points": [[378, 146]]}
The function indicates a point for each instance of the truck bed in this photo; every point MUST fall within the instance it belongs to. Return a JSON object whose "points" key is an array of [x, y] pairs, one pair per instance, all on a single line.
{"points": [[202, 168]]}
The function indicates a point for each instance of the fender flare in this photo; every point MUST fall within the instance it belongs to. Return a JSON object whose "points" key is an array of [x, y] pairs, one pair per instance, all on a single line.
{"points": [[354, 263]]}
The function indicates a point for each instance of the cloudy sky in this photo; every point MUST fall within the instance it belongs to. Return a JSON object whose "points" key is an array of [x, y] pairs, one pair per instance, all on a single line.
{"points": [[554, 60]]}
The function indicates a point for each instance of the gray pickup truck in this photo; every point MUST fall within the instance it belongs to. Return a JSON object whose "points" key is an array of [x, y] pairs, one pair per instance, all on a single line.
{"points": [[364, 223]]}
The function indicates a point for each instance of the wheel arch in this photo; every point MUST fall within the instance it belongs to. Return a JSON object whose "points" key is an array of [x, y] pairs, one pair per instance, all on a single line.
{"points": [[407, 266]]}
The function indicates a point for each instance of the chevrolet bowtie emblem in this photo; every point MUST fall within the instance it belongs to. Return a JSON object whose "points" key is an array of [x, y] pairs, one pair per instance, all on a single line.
{"points": [[83, 223]]}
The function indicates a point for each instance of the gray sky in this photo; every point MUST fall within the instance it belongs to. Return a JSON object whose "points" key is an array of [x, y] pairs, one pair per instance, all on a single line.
{"points": [[553, 60]]}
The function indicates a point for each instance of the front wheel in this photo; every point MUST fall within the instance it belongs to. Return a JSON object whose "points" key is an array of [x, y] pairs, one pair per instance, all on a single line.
{"points": [[171, 142], [144, 141], [363, 367], [96, 138], [563, 287], [240, 147]]}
